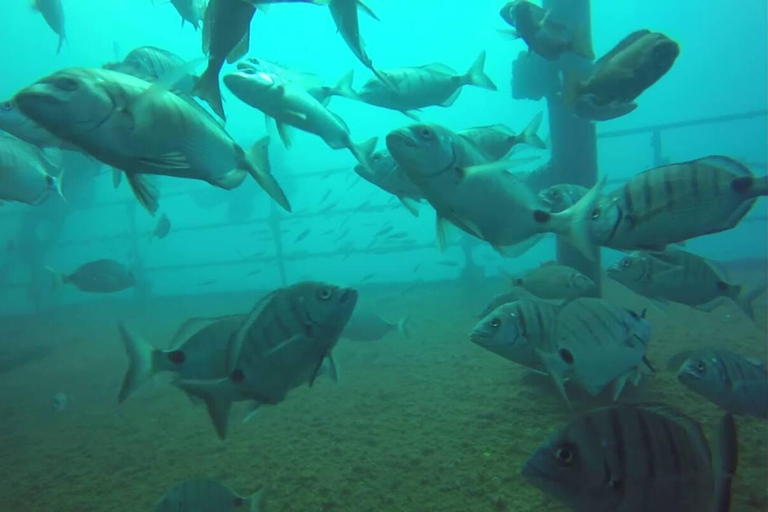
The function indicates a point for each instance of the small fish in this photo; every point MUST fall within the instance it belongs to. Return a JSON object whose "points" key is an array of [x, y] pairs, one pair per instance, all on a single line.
{"points": [[191, 11], [53, 13], [254, 272], [662, 206], [544, 35], [61, 402], [638, 458], [162, 228], [680, 276], [368, 277], [100, 276], [205, 495], [326, 195], [554, 281], [384, 230], [734, 383], [369, 326], [496, 141], [301, 236], [620, 76], [28, 174], [398, 236], [561, 197]]}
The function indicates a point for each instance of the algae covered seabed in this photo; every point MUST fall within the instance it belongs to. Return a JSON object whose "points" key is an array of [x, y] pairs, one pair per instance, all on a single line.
{"points": [[431, 423]]}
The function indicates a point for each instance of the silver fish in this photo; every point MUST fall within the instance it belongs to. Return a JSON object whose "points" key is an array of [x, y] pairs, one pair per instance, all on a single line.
{"points": [[563, 196], [191, 11], [369, 326], [206, 495], [734, 383], [384, 172], [143, 129], [61, 402], [496, 141], [99, 276], [27, 173], [551, 280], [17, 124], [281, 345], [151, 64], [517, 293], [53, 13], [633, 458]]}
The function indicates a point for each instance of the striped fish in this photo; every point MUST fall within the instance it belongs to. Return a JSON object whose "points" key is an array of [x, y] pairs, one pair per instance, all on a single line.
{"points": [[563, 196], [281, 344], [633, 458], [732, 382], [661, 206], [598, 344], [205, 495], [496, 141], [515, 294], [683, 277], [520, 331], [200, 355], [417, 87]]}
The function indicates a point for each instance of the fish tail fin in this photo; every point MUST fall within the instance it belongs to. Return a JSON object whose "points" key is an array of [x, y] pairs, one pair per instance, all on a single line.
{"points": [[259, 500], [117, 177], [574, 223], [581, 44], [530, 135], [62, 40], [59, 279], [217, 395], [571, 85], [727, 462], [142, 359], [409, 205], [364, 150], [744, 296], [476, 74], [345, 86], [257, 165], [404, 327], [209, 90]]}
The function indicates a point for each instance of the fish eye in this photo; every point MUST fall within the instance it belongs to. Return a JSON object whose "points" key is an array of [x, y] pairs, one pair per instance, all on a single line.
{"points": [[564, 456], [426, 133], [66, 84], [6, 106], [555, 194], [376, 157], [596, 214], [324, 293], [495, 323], [626, 263], [701, 367]]}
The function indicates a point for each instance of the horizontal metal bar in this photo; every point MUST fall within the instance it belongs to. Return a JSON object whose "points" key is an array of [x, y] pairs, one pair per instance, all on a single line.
{"points": [[683, 124]]}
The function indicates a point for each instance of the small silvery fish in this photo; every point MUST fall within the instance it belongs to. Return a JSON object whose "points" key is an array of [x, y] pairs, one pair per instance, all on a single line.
{"points": [[53, 13], [496, 141], [553, 281], [369, 326], [679, 276], [598, 344], [162, 228], [100, 276], [734, 383], [544, 35], [27, 173], [636, 458], [281, 345], [563, 196], [521, 331], [200, 355], [662, 206], [405, 89], [620, 76], [205, 495]]}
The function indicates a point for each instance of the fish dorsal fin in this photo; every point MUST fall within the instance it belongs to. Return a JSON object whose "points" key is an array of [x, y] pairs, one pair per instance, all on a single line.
{"points": [[239, 338], [621, 46], [194, 325], [724, 162], [367, 10]]}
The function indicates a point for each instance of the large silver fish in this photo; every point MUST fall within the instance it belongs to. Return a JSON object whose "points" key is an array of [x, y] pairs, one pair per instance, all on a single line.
{"points": [[635, 458], [496, 141], [14, 122], [384, 172], [551, 280], [53, 13], [27, 173], [661, 206], [281, 345], [291, 104], [737, 384], [142, 129], [206, 495], [405, 89], [680, 276]]}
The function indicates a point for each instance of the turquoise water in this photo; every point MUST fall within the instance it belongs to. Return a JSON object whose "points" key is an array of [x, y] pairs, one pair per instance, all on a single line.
{"points": [[430, 423]]}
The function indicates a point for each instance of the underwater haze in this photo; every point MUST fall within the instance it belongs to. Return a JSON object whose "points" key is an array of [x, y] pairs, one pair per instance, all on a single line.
{"points": [[262, 311]]}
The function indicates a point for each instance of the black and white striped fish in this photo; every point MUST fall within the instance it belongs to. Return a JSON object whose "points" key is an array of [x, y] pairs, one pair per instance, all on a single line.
{"points": [[734, 383], [661, 206], [205, 495], [282, 344], [633, 458]]}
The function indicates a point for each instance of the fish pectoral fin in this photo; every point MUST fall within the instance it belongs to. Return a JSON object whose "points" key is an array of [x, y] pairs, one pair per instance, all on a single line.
{"points": [[452, 98], [711, 305], [440, 233], [317, 371], [145, 191], [367, 10], [332, 368], [513, 251], [409, 205], [282, 131], [172, 161], [253, 408], [618, 385], [553, 366]]}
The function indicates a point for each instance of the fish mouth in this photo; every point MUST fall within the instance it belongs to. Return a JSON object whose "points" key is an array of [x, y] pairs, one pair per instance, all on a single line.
{"points": [[400, 138], [535, 474], [349, 294], [686, 373], [478, 337]]}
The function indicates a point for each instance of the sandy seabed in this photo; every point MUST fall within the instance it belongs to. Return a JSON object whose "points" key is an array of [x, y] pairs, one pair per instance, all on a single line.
{"points": [[430, 423]]}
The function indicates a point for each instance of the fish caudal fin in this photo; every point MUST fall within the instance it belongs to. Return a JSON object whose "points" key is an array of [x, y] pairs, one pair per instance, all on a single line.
{"points": [[574, 223], [345, 86], [363, 151], [476, 74], [404, 327], [140, 362], [257, 165], [581, 44], [259, 500], [208, 89], [745, 296], [59, 279], [530, 135], [217, 395], [727, 462]]}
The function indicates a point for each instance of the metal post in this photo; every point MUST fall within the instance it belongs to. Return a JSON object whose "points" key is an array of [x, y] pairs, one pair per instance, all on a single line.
{"points": [[274, 224], [574, 140], [141, 290], [656, 148]]}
